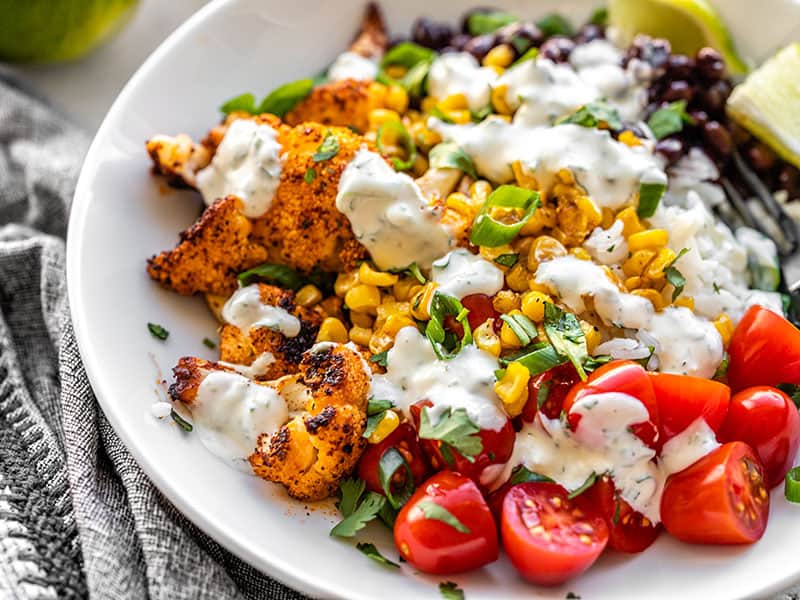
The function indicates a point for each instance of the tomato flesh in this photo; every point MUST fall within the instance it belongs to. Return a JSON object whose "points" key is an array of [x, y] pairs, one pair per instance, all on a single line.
{"points": [[558, 381], [548, 537], [767, 420], [720, 499], [435, 546], [764, 350], [404, 440], [480, 309]]}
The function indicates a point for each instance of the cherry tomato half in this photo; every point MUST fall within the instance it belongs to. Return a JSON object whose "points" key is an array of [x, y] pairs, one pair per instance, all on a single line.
{"points": [[622, 376], [682, 399], [559, 381], [446, 527], [720, 499], [404, 440], [497, 448], [548, 537], [764, 350], [767, 420], [480, 309], [629, 530]]}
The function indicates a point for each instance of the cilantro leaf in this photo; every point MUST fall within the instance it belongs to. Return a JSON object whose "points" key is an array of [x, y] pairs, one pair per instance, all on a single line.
{"points": [[376, 411], [584, 486], [521, 474], [565, 334], [282, 275], [365, 512], [791, 390], [445, 344], [450, 591], [350, 491], [412, 270], [437, 512], [209, 343], [284, 98], [594, 114], [674, 276], [310, 175], [379, 358], [555, 24], [480, 23], [157, 331], [599, 16], [242, 103], [649, 197], [507, 260], [327, 149], [455, 429], [390, 463], [371, 551], [449, 155], [670, 119]]}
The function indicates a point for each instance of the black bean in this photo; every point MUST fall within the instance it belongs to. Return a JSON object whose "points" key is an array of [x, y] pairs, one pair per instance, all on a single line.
{"points": [[520, 36], [459, 40], [761, 157], [479, 46], [716, 95], [789, 180], [718, 138], [431, 34], [739, 134], [589, 33], [557, 48], [653, 51], [700, 117], [679, 90], [670, 148], [679, 66], [710, 64]]}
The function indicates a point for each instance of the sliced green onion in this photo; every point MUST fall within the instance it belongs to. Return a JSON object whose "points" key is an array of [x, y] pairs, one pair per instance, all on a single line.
{"points": [[792, 488], [530, 54], [403, 137], [537, 359], [649, 197], [522, 327], [486, 231], [448, 155]]}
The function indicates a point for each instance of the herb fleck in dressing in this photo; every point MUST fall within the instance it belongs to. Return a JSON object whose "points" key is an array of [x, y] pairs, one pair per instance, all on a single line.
{"points": [[389, 215], [461, 273], [245, 310], [246, 164]]}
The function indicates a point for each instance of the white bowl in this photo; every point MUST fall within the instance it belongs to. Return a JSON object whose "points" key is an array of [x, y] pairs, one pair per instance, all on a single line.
{"points": [[122, 215]]}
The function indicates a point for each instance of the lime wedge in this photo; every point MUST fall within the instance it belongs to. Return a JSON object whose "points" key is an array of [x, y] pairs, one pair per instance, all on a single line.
{"points": [[688, 25], [767, 103]]}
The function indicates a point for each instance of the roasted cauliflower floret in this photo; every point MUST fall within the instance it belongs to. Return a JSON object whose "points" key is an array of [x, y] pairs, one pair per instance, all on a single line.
{"points": [[372, 40], [210, 253], [178, 158], [243, 347]]}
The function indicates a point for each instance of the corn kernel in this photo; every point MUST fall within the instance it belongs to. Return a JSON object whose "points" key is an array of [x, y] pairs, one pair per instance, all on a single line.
{"points": [[651, 239], [580, 253], [505, 301], [655, 270], [363, 298], [724, 325], [685, 301], [344, 281], [420, 166], [630, 221], [517, 278], [459, 116], [387, 425], [538, 287], [379, 116], [479, 191], [486, 339], [454, 102], [402, 289], [636, 264], [508, 338], [308, 295], [396, 71], [397, 99], [592, 335], [501, 56], [330, 307], [362, 320], [512, 389], [629, 138], [533, 305], [369, 276], [491, 253], [588, 207], [360, 335], [544, 248], [498, 99], [332, 330], [653, 296], [608, 218], [631, 283], [428, 104], [462, 204], [421, 301], [523, 178]]}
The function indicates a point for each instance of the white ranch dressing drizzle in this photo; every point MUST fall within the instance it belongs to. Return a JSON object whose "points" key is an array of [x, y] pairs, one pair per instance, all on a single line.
{"points": [[461, 73], [349, 65], [461, 273], [684, 343], [609, 171], [414, 373], [246, 164], [245, 310], [389, 214], [258, 367], [689, 446], [231, 411]]}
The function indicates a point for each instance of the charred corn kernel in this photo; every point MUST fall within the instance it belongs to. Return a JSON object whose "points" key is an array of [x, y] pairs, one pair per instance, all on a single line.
{"points": [[592, 335], [560, 236], [479, 191], [608, 218], [360, 335], [651, 239], [533, 305], [505, 301], [369, 276], [396, 71], [379, 116], [498, 98], [385, 427], [331, 307], [655, 270], [631, 283], [308, 295], [402, 289], [459, 116], [423, 137], [420, 166], [579, 252], [588, 207], [630, 221], [396, 99], [501, 56], [628, 138], [491, 253], [462, 204], [544, 248], [566, 177], [344, 281], [724, 325], [421, 301], [636, 264], [486, 339], [362, 319], [517, 278], [653, 296], [512, 389], [332, 330], [454, 102], [523, 178], [363, 298], [685, 301], [543, 217]]}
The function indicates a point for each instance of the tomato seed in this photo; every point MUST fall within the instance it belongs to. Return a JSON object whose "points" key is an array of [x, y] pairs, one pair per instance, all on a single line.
{"points": [[645, 522], [537, 530], [577, 513], [762, 493], [555, 501], [740, 506], [585, 539], [530, 503]]}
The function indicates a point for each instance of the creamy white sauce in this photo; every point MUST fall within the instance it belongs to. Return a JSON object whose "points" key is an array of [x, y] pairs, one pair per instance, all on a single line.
{"points": [[349, 65], [246, 164], [257, 368], [460, 73], [684, 343], [245, 310], [160, 409], [389, 215], [609, 171], [461, 273], [231, 411], [414, 373], [689, 446]]}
